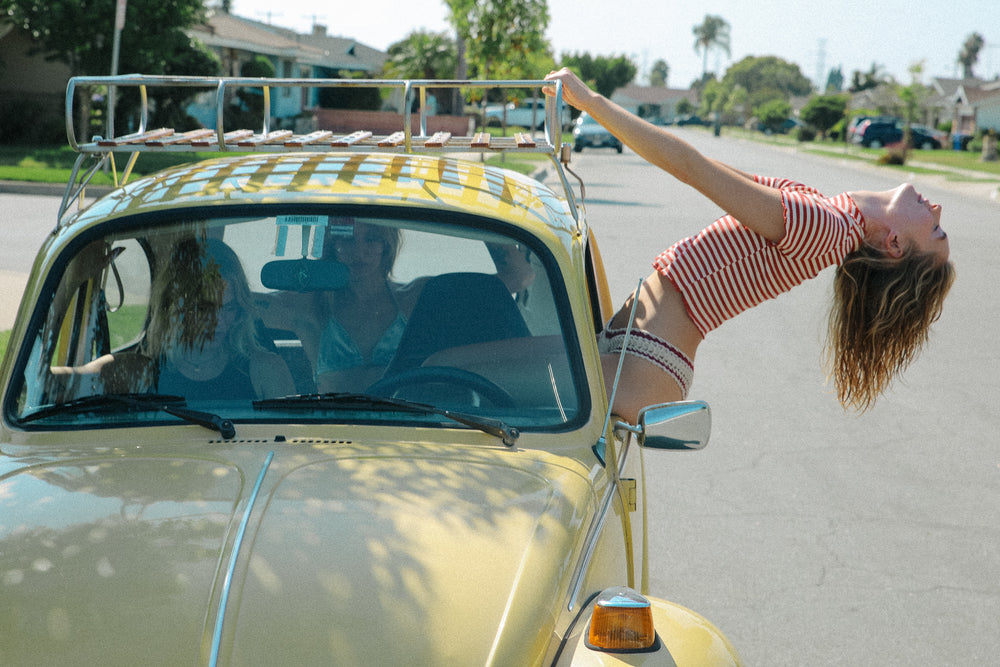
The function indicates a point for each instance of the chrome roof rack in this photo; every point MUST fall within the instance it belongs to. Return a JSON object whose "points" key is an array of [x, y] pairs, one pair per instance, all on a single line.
{"points": [[265, 139]]}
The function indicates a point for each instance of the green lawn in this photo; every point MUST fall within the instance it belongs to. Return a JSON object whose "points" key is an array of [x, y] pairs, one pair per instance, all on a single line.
{"points": [[54, 165]]}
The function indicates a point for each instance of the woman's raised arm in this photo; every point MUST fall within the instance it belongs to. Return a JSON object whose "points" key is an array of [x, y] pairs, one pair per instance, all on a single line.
{"points": [[754, 205]]}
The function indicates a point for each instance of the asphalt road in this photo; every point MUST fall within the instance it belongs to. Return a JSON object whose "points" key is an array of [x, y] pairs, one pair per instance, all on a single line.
{"points": [[25, 221], [808, 535], [812, 536]]}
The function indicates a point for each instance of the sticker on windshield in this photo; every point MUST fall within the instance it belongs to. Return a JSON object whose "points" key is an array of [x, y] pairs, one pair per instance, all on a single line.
{"points": [[308, 223]]}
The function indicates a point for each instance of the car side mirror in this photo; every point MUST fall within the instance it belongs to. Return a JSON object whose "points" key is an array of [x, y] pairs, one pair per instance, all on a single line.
{"points": [[678, 425], [304, 275]]}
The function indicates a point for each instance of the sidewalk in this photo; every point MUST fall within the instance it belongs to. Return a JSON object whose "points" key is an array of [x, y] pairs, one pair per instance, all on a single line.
{"points": [[12, 286]]}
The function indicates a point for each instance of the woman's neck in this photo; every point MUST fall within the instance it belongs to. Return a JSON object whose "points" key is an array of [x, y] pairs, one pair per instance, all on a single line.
{"points": [[873, 209]]}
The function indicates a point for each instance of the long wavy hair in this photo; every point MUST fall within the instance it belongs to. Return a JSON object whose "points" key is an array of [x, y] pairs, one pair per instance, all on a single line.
{"points": [[188, 293], [882, 311]]}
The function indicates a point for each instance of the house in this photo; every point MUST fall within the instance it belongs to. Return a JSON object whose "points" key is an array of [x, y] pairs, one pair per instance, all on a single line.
{"points": [[237, 40], [952, 99], [32, 89], [988, 107], [979, 106], [653, 102]]}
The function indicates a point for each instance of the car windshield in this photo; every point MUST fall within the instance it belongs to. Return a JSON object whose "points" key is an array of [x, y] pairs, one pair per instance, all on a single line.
{"points": [[294, 315]]}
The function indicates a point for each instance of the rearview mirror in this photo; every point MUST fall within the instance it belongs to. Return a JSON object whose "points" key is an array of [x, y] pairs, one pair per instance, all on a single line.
{"points": [[304, 275], [678, 425]]}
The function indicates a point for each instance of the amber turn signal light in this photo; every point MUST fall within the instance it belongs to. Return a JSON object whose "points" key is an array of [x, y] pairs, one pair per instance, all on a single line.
{"points": [[622, 621]]}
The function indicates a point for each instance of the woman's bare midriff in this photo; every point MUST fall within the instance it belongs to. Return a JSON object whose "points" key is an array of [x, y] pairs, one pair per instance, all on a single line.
{"points": [[660, 311]]}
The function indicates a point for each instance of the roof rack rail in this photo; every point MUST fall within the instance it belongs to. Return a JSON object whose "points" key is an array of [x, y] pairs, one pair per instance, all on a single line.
{"points": [[264, 139]]}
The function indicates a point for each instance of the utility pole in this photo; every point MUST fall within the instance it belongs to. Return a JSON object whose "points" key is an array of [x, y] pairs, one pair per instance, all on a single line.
{"points": [[119, 26]]}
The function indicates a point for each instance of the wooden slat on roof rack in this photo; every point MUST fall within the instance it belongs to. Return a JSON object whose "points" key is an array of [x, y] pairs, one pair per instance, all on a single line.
{"points": [[183, 137], [276, 137], [438, 140], [394, 139], [523, 140], [311, 138], [350, 139], [137, 138], [229, 137]]}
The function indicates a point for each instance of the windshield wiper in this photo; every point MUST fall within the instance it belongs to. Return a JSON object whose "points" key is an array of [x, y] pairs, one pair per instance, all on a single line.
{"points": [[172, 405], [508, 434]]}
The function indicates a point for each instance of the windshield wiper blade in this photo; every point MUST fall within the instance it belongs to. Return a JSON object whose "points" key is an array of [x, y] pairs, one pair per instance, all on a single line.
{"points": [[225, 427], [172, 405], [495, 427]]}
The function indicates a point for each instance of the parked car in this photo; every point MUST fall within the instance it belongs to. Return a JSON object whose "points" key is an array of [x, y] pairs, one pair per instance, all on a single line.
{"points": [[875, 134], [856, 121], [325, 399], [529, 113], [928, 138], [588, 133], [692, 119]]}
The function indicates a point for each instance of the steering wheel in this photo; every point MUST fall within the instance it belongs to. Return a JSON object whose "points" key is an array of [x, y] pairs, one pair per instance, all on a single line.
{"points": [[448, 376]]}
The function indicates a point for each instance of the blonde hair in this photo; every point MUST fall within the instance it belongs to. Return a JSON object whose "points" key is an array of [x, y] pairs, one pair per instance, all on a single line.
{"points": [[882, 311]]}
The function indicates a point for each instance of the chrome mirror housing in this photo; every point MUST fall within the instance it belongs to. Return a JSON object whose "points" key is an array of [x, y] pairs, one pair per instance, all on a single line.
{"points": [[678, 425]]}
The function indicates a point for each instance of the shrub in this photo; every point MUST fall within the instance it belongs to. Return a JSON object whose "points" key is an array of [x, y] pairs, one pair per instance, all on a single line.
{"points": [[805, 133], [31, 122], [895, 154]]}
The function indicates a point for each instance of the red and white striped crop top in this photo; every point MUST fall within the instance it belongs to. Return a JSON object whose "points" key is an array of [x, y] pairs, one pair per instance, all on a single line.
{"points": [[728, 268]]}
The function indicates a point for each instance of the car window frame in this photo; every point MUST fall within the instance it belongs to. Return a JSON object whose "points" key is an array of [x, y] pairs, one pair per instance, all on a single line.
{"points": [[133, 224]]}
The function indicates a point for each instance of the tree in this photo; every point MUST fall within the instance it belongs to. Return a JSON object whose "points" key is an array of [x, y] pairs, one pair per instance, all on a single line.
{"points": [[501, 37], [767, 78], [773, 114], [426, 55], [968, 56], [684, 107], [659, 75], [736, 106], [422, 55], [835, 81], [153, 40], [712, 98], [79, 33], [712, 33], [912, 97], [824, 111], [604, 74], [873, 78]]}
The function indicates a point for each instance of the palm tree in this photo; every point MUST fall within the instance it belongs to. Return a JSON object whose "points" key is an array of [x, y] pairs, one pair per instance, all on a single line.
{"points": [[713, 32], [969, 54], [422, 55]]}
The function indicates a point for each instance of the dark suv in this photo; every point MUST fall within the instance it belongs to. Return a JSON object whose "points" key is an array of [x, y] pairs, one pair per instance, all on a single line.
{"points": [[878, 133]]}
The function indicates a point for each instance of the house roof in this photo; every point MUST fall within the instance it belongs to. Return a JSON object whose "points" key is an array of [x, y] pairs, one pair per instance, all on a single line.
{"points": [[222, 30], [948, 87]]}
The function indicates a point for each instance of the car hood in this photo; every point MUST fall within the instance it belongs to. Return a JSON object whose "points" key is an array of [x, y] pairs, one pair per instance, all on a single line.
{"points": [[350, 555]]}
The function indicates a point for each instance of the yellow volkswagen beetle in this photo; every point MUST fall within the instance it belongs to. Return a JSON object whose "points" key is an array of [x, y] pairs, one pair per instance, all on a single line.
{"points": [[326, 399]]}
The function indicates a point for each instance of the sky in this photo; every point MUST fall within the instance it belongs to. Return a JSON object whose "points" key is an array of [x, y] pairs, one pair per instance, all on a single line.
{"points": [[816, 35]]}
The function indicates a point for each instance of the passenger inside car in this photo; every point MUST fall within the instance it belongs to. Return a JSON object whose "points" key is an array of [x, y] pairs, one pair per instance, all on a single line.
{"points": [[350, 334], [207, 332], [203, 339]]}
